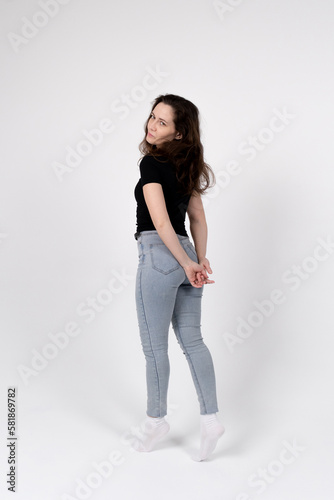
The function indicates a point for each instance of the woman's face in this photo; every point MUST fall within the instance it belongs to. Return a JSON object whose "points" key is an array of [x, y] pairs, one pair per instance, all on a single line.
{"points": [[161, 126]]}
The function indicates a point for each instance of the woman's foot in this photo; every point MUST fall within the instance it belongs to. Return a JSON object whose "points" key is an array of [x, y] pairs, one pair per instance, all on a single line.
{"points": [[153, 430], [211, 431]]}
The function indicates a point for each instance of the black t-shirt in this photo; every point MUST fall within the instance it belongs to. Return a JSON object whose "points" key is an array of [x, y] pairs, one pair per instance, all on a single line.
{"points": [[153, 170]]}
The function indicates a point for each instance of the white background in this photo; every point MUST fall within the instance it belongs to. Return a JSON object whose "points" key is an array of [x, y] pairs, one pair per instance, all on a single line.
{"points": [[64, 237]]}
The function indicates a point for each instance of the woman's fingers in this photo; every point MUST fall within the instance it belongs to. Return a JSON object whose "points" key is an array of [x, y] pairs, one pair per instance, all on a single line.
{"points": [[198, 277], [208, 268], [203, 278]]}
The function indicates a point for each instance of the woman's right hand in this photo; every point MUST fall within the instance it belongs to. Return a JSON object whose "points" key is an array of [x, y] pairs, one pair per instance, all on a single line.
{"points": [[197, 273]]}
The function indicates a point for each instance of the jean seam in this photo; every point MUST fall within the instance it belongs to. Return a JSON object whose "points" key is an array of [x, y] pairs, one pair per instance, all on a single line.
{"points": [[191, 362], [192, 250], [149, 337]]}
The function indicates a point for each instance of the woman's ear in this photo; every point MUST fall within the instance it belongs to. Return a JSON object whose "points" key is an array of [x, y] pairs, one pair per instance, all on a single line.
{"points": [[178, 136]]}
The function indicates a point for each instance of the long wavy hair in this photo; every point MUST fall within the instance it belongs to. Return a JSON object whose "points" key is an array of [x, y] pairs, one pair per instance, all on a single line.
{"points": [[186, 154]]}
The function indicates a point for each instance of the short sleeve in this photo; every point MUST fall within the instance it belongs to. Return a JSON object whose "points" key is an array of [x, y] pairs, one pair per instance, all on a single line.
{"points": [[150, 170]]}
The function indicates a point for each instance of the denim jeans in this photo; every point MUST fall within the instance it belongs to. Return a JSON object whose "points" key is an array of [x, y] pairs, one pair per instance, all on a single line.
{"points": [[164, 295]]}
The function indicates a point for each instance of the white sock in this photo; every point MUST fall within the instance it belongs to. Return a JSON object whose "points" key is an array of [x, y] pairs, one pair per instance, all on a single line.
{"points": [[153, 429], [211, 431]]}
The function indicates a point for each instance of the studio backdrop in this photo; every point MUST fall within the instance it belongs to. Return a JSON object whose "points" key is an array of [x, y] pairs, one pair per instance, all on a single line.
{"points": [[77, 85]]}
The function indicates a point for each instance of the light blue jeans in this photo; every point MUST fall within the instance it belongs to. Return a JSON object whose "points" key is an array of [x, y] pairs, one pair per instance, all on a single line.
{"points": [[164, 295]]}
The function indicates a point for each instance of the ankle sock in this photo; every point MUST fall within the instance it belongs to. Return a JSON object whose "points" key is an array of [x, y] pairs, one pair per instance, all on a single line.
{"points": [[153, 430], [211, 431]]}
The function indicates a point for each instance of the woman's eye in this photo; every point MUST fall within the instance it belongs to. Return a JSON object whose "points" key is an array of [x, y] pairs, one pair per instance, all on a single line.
{"points": [[152, 118]]}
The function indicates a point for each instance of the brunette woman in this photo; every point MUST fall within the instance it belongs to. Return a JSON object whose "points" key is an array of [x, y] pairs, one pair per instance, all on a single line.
{"points": [[171, 269]]}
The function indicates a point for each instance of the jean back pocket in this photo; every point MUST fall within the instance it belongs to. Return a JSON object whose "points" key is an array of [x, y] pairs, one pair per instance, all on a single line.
{"points": [[162, 258]]}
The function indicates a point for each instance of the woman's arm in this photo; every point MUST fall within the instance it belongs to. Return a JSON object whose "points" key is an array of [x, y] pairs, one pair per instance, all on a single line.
{"points": [[156, 205], [155, 201], [198, 225]]}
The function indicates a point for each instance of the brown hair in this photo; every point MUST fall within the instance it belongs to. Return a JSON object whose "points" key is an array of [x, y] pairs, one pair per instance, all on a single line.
{"points": [[186, 153]]}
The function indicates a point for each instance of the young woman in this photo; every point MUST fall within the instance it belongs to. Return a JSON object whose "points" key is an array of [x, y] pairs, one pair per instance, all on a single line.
{"points": [[171, 270]]}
